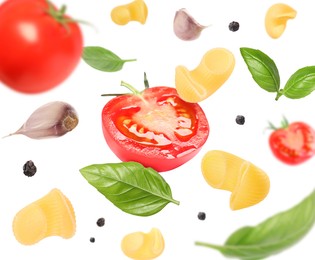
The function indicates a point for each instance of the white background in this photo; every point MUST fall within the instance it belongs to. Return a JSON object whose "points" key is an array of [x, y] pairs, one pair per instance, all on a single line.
{"points": [[158, 51]]}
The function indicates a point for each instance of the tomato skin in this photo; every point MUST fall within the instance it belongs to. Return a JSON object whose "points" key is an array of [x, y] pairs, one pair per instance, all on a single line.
{"points": [[293, 145], [37, 53], [159, 157]]}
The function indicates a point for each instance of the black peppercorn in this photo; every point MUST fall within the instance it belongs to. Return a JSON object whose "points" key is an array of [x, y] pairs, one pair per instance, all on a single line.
{"points": [[29, 168], [92, 239], [234, 26], [100, 222], [202, 215], [240, 120]]}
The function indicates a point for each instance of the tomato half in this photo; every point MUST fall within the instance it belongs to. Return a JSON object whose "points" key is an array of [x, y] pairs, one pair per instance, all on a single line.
{"points": [[38, 50], [294, 144], [155, 128]]}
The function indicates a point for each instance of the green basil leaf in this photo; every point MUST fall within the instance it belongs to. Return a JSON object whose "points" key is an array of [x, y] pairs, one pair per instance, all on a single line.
{"points": [[130, 186], [103, 59], [272, 235], [301, 83], [263, 69]]}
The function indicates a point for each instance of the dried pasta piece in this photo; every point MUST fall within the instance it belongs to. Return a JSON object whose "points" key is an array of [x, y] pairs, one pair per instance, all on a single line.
{"points": [[134, 11], [248, 183], [276, 19], [52, 215], [143, 246], [214, 69]]}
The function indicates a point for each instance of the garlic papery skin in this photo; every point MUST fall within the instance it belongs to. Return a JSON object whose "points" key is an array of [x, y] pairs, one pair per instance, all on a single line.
{"points": [[53, 119], [186, 27]]}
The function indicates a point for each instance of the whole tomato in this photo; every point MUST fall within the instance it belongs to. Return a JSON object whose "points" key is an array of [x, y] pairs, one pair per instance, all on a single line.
{"points": [[154, 127], [293, 143], [40, 46]]}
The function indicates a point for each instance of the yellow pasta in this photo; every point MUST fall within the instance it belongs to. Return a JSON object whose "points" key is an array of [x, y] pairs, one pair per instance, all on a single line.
{"points": [[214, 69], [276, 19], [249, 184], [143, 246], [134, 11], [52, 215]]}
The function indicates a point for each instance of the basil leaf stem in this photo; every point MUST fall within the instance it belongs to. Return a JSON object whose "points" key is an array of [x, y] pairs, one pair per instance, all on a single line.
{"points": [[130, 186], [103, 59], [272, 235]]}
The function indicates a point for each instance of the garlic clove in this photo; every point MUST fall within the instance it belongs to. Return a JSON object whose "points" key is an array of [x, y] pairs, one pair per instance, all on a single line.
{"points": [[186, 27], [53, 119]]}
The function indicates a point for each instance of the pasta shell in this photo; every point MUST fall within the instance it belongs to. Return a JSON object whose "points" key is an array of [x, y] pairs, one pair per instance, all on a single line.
{"points": [[248, 184], [52, 215]]}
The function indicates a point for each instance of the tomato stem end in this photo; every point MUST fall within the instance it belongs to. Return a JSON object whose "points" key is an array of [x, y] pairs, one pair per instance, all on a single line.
{"points": [[131, 88], [60, 16], [146, 82]]}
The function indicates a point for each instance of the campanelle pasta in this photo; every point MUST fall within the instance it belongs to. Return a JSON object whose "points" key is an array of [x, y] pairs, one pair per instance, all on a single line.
{"points": [[52, 215], [214, 69], [134, 11], [249, 184], [276, 19], [143, 246]]}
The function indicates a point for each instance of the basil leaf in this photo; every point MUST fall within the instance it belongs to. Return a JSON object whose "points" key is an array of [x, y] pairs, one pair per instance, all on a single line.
{"points": [[103, 59], [263, 69], [130, 186], [272, 235], [301, 83]]}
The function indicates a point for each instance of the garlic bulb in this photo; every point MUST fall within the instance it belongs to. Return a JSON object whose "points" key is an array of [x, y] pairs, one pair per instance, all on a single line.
{"points": [[53, 119], [186, 27]]}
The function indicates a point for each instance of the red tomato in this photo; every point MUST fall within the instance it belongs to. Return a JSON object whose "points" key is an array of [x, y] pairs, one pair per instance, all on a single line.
{"points": [[37, 52], [155, 128], [293, 144]]}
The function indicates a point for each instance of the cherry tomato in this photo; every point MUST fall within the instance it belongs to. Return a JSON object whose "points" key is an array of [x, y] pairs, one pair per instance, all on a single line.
{"points": [[155, 128], [294, 143], [39, 46]]}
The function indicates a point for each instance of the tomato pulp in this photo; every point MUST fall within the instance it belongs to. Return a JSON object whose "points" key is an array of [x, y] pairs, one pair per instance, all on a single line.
{"points": [[39, 46], [294, 144], [155, 128]]}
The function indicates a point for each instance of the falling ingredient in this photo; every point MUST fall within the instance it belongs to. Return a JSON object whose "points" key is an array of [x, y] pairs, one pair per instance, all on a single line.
{"points": [[51, 215], [143, 246], [213, 71], [130, 186], [265, 73], [136, 10], [247, 183], [53, 119], [234, 26], [276, 19], [29, 168], [240, 120], [100, 222], [201, 215], [186, 27], [272, 236]]}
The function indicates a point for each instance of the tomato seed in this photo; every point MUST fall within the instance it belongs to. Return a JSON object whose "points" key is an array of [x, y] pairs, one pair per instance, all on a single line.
{"points": [[127, 121], [141, 130]]}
